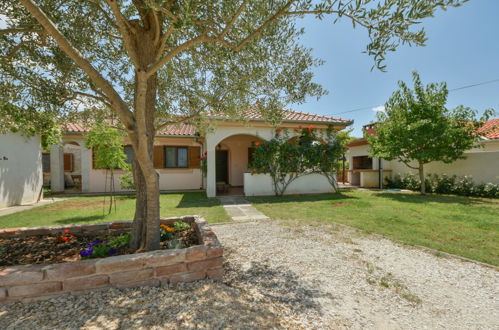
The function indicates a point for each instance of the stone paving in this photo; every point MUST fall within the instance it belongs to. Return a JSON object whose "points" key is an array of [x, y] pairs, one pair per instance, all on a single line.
{"points": [[239, 209]]}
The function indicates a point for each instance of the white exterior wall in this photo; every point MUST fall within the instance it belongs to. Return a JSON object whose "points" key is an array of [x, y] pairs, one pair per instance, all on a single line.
{"points": [[169, 178], [217, 136], [261, 185], [21, 177], [480, 163]]}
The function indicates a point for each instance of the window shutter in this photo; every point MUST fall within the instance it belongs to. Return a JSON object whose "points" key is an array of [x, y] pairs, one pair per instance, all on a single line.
{"points": [[68, 162], [194, 155], [159, 157]]}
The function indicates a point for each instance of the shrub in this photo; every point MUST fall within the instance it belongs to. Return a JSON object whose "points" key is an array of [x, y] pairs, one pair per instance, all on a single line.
{"points": [[444, 184]]}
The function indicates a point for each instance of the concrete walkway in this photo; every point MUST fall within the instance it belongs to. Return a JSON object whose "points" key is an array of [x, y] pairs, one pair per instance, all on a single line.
{"points": [[239, 209], [19, 208]]}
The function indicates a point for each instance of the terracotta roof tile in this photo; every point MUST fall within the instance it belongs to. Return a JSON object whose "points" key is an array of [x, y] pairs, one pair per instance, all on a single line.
{"points": [[252, 114], [491, 129]]}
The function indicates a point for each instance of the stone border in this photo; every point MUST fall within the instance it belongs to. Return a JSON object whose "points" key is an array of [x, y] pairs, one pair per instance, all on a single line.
{"points": [[155, 268]]}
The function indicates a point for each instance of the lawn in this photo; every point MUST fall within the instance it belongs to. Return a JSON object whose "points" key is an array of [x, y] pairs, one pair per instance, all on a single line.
{"points": [[75, 210], [460, 225]]}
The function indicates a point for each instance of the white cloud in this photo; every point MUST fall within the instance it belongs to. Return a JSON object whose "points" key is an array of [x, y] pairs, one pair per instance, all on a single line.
{"points": [[379, 108]]}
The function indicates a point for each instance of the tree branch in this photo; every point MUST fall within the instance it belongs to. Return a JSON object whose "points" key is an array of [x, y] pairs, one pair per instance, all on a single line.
{"points": [[115, 99], [19, 30], [125, 29], [233, 19]]}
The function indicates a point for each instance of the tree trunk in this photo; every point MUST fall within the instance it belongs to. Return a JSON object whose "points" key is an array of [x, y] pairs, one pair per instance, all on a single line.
{"points": [[421, 178], [145, 228]]}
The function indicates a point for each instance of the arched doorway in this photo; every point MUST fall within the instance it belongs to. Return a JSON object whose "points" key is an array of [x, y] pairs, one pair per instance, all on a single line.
{"points": [[232, 156]]}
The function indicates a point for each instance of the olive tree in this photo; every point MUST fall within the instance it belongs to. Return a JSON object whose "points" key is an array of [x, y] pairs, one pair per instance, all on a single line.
{"points": [[170, 59]]}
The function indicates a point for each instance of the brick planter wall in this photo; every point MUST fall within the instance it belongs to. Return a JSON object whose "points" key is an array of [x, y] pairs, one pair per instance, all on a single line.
{"points": [[161, 267]]}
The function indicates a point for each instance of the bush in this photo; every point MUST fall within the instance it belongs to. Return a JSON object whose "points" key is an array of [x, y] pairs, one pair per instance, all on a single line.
{"points": [[444, 184]]}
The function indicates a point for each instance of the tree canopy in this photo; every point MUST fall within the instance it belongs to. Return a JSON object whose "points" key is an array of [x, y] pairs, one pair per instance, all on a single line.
{"points": [[417, 128]]}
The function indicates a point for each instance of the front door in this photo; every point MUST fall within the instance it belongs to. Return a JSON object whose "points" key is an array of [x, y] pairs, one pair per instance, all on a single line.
{"points": [[222, 160]]}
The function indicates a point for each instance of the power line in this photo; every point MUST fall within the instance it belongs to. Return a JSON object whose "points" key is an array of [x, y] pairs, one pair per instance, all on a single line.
{"points": [[450, 90]]}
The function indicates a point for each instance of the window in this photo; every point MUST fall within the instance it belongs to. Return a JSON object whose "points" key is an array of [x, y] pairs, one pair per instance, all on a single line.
{"points": [[176, 157], [68, 162], [362, 163], [129, 154]]}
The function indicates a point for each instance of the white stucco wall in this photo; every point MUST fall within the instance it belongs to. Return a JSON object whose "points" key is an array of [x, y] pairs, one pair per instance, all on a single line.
{"points": [[169, 178], [21, 175], [480, 163], [261, 185]]}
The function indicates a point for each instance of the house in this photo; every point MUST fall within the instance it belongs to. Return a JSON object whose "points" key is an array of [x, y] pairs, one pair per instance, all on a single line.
{"points": [[20, 169], [177, 151], [482, 162]]}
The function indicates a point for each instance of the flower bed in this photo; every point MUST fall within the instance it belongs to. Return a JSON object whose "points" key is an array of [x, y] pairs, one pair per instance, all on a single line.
{"points": [[161, 267]]}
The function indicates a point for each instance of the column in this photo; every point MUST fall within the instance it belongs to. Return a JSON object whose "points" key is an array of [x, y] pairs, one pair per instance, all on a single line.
{"points": [[86, 163], [211, 184], [56, 168]]}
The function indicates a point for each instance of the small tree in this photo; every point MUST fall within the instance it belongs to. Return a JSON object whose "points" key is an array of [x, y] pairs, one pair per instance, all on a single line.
{"points": [[285, 161], [107, 144], [417, 127], [279, 158]]}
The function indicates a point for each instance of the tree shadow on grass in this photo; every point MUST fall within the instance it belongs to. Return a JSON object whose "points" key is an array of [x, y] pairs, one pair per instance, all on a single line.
{"points": [[432, 198], [333, 197], [78, 220], [257, 296]]}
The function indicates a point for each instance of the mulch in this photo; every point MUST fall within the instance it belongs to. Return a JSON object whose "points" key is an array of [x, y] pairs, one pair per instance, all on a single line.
{"points": [[49, 249]]}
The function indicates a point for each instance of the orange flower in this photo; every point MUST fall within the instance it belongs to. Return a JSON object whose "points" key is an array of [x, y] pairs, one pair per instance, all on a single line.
{"points": [[167, 228], [67, 231], [278, 131], [64, 238], [257, 143], [310, 128]]}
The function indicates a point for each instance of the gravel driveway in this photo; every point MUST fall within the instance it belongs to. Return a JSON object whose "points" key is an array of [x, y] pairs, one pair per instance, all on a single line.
{"points": [[292, 276]]}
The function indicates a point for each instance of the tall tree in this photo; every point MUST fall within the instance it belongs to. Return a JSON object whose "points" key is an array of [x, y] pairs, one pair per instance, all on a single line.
{"points": [[416, 128], [149, 59]]}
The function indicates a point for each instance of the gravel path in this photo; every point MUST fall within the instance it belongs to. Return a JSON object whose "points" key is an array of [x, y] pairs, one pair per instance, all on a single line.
{"points": [[292, 276]]}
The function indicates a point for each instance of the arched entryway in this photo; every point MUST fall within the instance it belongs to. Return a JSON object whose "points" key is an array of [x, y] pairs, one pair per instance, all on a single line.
{"points": [[232, 156]]}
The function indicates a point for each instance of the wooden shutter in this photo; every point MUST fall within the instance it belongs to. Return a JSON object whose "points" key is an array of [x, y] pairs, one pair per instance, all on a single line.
{"points": [[194, 155], [68, 162], [159, 157]]}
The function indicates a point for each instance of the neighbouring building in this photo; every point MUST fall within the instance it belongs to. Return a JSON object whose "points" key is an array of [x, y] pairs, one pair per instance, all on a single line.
{"points": [[481, 162], [177, 151], [20, 170]]}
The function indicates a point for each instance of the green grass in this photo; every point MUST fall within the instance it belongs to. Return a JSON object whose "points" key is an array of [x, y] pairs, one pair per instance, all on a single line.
{"points": [[76, 210], [464, 226]]}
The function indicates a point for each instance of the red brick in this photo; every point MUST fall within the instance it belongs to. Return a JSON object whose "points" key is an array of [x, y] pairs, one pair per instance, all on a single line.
{"points": [[172, 269], [164, 258], [187, 277], [195, 253], [86, 282], [120, 263], [94, 228], [36, 231], [131, 276], [214, 252], [70, 269], [119, 225], [20, 274], [9, 232], [148, 282], [205, 264], [215, 274], [34, 289]]}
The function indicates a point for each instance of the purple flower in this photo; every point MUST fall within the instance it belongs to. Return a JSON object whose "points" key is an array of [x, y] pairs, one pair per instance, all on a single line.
{"points": [[86, 253], [112, 251], [94, 243]]}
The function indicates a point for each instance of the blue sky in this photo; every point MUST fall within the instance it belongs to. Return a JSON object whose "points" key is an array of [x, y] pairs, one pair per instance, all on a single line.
{"points": [[462, 49]]}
